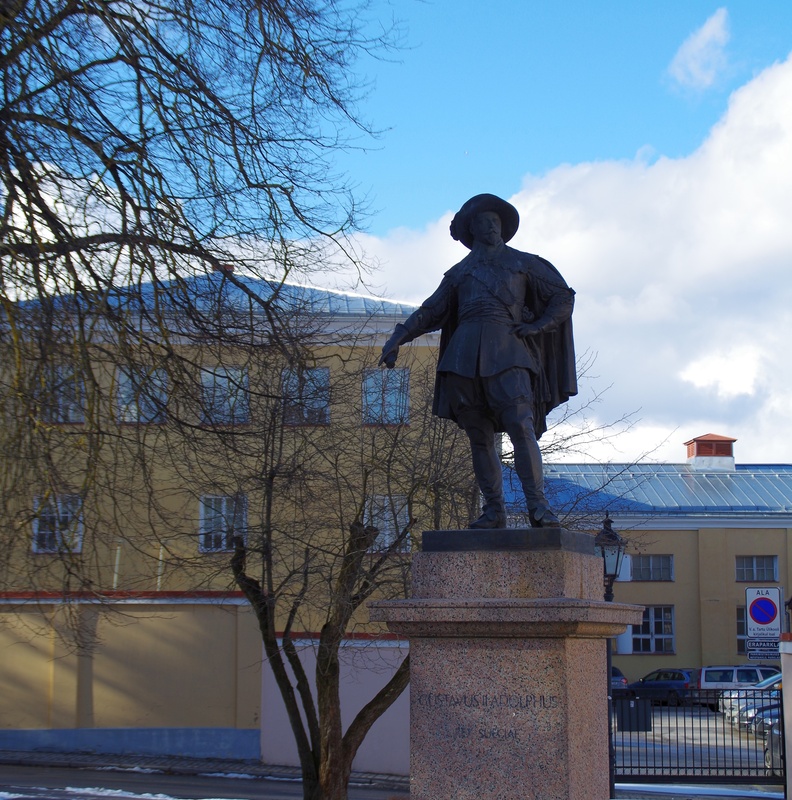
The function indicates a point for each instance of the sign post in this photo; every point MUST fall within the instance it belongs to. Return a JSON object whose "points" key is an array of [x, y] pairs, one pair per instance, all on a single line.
{"points": [[763, 622]]}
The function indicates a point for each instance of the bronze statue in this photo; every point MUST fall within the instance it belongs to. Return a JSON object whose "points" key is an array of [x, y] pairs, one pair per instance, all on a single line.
{"points": [[506, 351]]}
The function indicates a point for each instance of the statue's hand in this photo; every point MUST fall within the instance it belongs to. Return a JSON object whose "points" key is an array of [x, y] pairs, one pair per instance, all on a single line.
{"points": [[526, 329], [390, 350], [389, 356]]}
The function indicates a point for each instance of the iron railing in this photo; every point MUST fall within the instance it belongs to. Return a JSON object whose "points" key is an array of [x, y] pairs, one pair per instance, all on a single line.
{"points": [[682, 737]]}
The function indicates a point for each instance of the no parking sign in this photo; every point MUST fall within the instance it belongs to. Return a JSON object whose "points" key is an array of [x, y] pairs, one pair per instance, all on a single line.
{"points": [[763, 620]]}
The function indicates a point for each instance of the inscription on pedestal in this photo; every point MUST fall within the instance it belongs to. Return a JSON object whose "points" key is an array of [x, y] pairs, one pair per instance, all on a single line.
{"points": [[491, 701], [486, 717]]}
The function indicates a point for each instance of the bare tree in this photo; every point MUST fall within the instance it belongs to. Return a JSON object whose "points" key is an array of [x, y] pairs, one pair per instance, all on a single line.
{"points": [[378, 483], [152, 141], [143, 145]]}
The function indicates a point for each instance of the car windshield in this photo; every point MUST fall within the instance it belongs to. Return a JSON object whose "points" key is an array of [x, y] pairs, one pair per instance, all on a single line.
{"points": [[768, 681]]}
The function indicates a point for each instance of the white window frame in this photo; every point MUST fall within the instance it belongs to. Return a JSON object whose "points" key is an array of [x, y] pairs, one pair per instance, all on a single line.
{"points": [[141, 395], [386, 396], [58, 524], [222, 517], [742, 630], [656, 566], [747, 568], [306, 396], [226, 396], [64, 395], [391, 515], [657, 630]]}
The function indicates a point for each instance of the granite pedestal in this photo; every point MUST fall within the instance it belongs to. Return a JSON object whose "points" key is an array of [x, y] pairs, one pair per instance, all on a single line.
{"points": [[508, 683]]}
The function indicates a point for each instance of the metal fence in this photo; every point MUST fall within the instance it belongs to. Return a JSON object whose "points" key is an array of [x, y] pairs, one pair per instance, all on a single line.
{"points": [[714, 739]]}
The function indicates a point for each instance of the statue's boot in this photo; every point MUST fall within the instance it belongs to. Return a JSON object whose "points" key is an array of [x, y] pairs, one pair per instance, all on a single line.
{"points": [[489, 475], [518, 422]]}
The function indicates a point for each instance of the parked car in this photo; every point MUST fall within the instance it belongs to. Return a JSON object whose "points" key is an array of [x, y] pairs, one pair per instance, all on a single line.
{"points": [[764, 720], [745, 718], [669, 686], [618, 681], [714, 680], [732, 700], [774, 749]]}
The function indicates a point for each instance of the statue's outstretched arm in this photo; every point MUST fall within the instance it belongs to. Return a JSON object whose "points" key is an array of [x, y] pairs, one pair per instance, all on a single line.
{"points": [[429, 317]]}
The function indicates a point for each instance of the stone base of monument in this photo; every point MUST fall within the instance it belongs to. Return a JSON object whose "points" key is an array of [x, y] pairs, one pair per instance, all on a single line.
{"points": [[508, 677]]}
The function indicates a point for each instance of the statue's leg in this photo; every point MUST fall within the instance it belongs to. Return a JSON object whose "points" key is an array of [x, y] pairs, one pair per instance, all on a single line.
{"points": [[468, 402], [517, 421], [487, 468]]}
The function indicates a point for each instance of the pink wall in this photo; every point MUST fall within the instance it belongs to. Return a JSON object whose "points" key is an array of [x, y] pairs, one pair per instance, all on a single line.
{"points": [[366, 667]]}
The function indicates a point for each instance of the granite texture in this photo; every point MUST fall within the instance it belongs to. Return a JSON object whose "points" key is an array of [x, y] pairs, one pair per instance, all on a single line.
{"points": [[502, 539], [495, 618], [508, 718], [508, 683], [533, 574]]}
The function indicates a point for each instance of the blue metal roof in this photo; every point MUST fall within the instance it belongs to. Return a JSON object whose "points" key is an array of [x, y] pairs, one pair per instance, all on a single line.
{"points": [[211, 291], [662, 489], [240, 291]]}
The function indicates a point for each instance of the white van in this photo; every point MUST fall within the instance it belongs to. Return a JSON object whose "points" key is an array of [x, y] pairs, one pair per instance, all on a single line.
{"points": [[715, 679]]}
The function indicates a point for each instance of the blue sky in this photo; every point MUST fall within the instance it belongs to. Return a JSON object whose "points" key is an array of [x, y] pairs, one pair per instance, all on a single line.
{"points": [[484, 94], [648, 149]]}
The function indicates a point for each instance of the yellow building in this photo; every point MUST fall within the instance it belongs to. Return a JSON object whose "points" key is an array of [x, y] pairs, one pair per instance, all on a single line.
{"points": [[131, 476]]}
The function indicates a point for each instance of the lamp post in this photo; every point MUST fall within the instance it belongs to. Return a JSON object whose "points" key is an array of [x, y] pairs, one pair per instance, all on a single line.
{"points": [[611, 547]]}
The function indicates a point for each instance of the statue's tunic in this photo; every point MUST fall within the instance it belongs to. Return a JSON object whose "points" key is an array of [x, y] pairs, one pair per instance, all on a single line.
{"points": [[477, 306]]}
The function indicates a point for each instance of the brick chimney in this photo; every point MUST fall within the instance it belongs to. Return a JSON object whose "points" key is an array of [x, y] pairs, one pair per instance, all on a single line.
{"points": [[711, 452]]}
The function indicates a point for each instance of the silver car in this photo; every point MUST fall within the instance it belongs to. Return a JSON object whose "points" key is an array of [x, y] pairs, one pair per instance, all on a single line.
{"points": [[732, 701]]}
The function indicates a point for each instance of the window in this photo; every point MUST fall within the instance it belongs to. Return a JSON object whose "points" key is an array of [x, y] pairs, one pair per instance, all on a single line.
{"points": [[386, 396], [63, 396], [141, 395], [655, 634], [226, 399], [757, 568], [652, 568], [222, 518], [742, 634], [391, 514], [767, 672], [58, 526], [306, 396], [748, 675]]}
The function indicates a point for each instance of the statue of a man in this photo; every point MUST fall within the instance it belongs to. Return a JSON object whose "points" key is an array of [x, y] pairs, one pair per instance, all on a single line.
{"points": [[506, 351]]}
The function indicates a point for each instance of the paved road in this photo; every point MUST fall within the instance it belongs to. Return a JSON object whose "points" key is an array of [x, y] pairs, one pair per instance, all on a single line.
{"points": [[42, 782], [57, 783], [42, 776]]}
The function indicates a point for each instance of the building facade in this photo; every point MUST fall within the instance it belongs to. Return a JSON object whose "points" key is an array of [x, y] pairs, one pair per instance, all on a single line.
{"points": [[699, 533], [131, 480]]}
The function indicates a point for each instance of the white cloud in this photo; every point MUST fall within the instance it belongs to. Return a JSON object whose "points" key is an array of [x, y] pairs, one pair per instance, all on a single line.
{"points": [[702, 57], [730, 373], [682, 272]]}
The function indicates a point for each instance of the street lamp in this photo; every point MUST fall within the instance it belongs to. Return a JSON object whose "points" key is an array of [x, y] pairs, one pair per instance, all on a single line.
{"points": [[611, 547]]}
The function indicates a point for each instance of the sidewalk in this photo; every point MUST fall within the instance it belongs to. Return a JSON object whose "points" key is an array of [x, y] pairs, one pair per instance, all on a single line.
{"points": [[177, 765]]}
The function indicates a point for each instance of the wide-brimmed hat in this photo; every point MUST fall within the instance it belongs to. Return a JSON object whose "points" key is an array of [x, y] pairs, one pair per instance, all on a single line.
{"points": [[509, 217]]}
